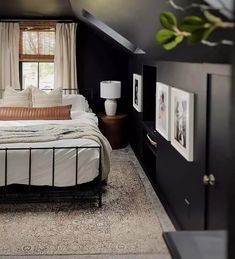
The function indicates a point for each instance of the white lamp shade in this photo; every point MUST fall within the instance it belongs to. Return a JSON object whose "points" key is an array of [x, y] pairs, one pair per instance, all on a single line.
{"points": [[110, 89]]}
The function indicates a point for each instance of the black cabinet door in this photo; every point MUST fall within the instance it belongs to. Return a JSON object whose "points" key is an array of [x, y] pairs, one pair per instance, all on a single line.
{"points": [[182, 188], [217, 149]]}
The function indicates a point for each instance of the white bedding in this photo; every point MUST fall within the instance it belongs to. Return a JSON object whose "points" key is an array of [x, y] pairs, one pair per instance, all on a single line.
{"points": [[65, 166]]}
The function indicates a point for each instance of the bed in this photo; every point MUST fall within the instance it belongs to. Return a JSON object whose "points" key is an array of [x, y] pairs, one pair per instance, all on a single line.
{"points": [[70, 167]]}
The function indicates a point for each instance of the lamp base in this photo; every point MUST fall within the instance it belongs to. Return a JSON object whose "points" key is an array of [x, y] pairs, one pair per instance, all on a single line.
{"points": [[110, 107]]}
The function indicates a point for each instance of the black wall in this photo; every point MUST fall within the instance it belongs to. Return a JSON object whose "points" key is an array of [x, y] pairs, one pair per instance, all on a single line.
{"points": [[178, 179], [135, 118], [231, 164], [100, 59], [181, 177]]}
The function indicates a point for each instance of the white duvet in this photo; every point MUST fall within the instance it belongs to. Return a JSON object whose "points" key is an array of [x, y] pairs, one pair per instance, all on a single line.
{"points": [[65, 159]]}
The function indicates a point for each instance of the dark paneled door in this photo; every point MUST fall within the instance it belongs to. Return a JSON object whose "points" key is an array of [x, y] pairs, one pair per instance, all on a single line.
{"points": [[217, 149]]}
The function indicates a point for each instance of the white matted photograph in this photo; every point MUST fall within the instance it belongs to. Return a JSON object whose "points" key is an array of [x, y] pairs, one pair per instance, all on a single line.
{"points": [[182, 122], [163, 111], [137, 92]]}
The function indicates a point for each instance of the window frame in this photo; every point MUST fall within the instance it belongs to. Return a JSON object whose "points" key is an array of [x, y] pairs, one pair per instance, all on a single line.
{"points": [[38, 71], [43, 26]]}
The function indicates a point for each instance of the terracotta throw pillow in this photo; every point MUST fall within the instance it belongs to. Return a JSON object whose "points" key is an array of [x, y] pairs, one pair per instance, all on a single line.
{"points": [[45, 113]]}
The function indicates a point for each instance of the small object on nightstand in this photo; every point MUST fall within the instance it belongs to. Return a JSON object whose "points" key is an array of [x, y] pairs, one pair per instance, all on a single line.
{"points": [[114, 129]]}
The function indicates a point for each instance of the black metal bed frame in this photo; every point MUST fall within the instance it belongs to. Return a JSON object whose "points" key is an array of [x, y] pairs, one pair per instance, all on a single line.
{"points": [[29, 193], [17, 193]]}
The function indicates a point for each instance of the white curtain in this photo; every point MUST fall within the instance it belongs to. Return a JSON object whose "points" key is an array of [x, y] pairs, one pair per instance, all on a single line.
{"points": [[9, 55], [65, 56]]}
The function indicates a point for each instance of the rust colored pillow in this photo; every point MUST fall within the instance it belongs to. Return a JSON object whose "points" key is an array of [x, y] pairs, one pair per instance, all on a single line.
{"points": [[45, 113]]}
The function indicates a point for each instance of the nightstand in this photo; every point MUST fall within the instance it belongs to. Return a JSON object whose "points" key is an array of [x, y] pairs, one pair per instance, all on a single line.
{"points": [[114, 129]]}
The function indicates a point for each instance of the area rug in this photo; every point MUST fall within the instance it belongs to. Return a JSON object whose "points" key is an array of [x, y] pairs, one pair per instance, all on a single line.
{"points": [[126, 224]]}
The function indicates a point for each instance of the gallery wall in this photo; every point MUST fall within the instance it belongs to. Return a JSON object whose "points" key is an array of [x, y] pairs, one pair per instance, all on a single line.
{"points": [[182, 180], [101, 59], [186, 182], [179, 180]]}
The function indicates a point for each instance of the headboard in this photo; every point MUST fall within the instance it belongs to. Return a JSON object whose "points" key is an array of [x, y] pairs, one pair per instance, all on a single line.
{"points": [[87, 93]]}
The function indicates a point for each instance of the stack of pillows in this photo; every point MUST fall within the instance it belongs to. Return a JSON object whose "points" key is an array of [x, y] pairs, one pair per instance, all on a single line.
{"points": [[35, 104]]}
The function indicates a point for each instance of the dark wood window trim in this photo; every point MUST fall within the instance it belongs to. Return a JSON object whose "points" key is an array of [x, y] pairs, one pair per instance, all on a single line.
{"points": [[37, 27]]}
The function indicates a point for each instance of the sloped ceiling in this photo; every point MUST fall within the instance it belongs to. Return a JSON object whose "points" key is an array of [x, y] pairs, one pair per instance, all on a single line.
{"points": [[226, 6], [35, 8], [136, 20]]}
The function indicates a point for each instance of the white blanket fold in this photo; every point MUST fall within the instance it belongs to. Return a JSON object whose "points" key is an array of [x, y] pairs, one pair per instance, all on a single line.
{"points": [[51, 132]]}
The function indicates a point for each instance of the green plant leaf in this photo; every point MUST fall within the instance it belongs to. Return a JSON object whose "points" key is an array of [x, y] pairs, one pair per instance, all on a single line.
{"points": [[164, 36], [168, 39], [200, 35], [211, 18], [170, 45], [193, 20], [179, 39], [168, 20], [192, 23], [207, 33], [196, 37]]}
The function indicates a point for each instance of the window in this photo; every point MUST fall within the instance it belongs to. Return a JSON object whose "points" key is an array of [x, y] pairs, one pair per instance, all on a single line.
{"points": [[37, 46]]}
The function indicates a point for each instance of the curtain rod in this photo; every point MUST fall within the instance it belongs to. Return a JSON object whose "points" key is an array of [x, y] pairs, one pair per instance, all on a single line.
{"points": [[36, 20]]}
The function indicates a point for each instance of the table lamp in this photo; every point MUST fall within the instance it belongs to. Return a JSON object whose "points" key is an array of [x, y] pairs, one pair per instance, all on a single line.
{"points": [[110, 90]]}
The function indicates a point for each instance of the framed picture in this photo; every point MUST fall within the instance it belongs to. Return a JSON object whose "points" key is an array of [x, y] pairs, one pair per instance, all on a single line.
{"points": [[163, 110], [182, 122], [137, 92]]}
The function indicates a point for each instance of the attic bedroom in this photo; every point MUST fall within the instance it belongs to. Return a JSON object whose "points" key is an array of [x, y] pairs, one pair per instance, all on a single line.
{"points": [[117, 129]]}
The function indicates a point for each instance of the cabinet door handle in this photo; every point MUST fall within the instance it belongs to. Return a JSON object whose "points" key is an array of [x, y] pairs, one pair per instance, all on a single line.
{"points": [[206, 180], [209, 180], [151, 141]]}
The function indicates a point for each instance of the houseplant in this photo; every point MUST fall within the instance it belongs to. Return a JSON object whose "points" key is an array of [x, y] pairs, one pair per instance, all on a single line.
{"points": [[192, 29]]}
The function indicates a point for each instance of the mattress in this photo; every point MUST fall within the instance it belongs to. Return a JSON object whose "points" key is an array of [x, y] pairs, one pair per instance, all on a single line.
{"points": [[41, 165]]}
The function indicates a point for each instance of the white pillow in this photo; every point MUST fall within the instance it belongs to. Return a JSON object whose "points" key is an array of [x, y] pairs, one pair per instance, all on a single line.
{"points": [[41, 98], [13, 98], [78, 102]]}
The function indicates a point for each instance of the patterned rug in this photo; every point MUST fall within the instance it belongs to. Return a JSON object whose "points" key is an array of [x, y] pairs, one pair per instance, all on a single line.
{"points": [[126, 224]]}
